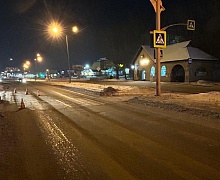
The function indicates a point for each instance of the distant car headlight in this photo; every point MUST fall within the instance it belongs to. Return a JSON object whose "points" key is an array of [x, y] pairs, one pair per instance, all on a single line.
{"points": [[24, 80]]}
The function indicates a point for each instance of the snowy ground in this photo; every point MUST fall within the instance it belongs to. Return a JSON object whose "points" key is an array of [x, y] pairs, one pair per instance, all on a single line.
{"points": [[204, 104]]}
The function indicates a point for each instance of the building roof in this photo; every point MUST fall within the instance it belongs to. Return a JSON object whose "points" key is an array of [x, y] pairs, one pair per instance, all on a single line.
{"points": [[176, 52], [102, 63], [95, 65]]}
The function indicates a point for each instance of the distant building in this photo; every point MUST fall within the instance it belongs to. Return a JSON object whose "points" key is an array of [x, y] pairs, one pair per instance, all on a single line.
{"points": [[11, 69], [180, 63], [11, 72], [103, 66], [77, 69], [52, 73]]}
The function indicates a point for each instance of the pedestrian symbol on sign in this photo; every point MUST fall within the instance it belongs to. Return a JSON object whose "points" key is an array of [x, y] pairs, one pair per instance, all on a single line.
{"points": [[159, 39], [191, 25]]}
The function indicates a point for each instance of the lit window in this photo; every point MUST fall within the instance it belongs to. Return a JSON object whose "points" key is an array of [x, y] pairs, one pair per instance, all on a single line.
{"points": [[163, 70], [152, 71]]}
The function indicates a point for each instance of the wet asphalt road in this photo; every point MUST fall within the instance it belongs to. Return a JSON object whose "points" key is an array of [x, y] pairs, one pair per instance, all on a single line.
{"points": [[69, 134]]}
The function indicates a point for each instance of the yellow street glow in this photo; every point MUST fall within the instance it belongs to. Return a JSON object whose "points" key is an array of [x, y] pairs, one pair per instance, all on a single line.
{"points": [[75, 29], [144, 62], [25, 66], [27, 62], [39, 58], [55, 30]]}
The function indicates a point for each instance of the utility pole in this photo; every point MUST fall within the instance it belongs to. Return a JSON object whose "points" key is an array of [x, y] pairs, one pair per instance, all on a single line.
{"points": [[158, 41], [68, 57], [158, 70], [157, 4]]}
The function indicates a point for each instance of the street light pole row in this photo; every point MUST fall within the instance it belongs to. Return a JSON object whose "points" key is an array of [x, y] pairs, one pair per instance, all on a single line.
{"points": [[68, 57], [55, 30], [38, 59], [27, 64], [74, 30]]}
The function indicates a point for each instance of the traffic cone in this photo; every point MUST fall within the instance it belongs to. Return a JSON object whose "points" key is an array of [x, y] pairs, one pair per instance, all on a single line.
{"points": [[26, 91], [38, 93], [22, 104], [15, 91]]}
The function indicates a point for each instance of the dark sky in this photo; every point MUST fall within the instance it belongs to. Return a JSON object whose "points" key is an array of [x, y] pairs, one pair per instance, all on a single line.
{"points": [[109, 28]]}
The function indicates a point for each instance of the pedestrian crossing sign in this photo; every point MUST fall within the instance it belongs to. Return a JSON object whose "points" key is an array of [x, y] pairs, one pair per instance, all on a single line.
{"points": [[191, 25], [159, 39]]}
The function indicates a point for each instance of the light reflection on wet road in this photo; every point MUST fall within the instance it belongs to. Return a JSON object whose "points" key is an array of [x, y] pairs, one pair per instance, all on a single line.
{"points": [[67, 154], [122, 140]]}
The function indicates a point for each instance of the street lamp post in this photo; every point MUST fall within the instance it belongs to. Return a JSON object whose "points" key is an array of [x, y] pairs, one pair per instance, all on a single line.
{"points": [[55, 30], [35, 62], [68, 57], [74, 30], [38, 59], [26, 66]]}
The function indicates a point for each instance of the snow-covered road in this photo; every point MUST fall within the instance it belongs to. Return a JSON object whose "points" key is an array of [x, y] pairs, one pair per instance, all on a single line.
{"points": [[84, 135]]}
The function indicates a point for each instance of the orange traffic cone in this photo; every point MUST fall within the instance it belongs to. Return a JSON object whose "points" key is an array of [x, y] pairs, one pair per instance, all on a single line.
{"points": [[38, 92], [15, 91], [22, 104], [26, 91]]}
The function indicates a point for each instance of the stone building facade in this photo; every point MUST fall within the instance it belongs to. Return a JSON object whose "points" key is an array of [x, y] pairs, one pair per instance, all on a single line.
{"points": [[180, 63]]}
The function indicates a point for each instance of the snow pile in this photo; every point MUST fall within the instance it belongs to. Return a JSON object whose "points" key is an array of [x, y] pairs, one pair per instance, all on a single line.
{"points": [[203, 104], [109, 91], [91, 86], [203, 82]]}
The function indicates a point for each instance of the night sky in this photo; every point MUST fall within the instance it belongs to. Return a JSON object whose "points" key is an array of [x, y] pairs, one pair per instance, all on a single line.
{"points": [[108, 28]]}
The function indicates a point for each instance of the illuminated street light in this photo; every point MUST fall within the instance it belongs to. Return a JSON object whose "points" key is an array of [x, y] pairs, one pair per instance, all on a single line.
{"points": [[38, 59], [48, 74], [26, 65], [56, 30], [75, 29]]}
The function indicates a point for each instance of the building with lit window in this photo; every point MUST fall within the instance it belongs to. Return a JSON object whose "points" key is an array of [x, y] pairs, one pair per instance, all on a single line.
{"points": [[180, 62]]}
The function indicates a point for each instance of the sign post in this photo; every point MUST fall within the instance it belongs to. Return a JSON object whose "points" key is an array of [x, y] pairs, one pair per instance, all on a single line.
{"points": [[158, 41], [158, 70]]}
